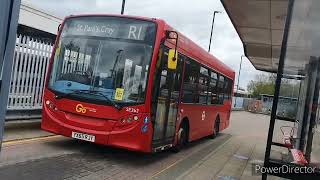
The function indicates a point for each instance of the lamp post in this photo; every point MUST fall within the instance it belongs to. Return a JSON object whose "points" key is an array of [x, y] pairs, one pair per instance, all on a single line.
{"points": [[235, 99], [214, 15], [239, 71], [123, 5]]}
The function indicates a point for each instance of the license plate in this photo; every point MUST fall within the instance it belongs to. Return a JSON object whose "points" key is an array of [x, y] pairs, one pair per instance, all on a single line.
{"points": [[85, 137]]}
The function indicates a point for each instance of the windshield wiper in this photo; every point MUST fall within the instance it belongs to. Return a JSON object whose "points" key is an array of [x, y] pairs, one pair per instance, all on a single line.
{"points": [[63, 95], [92, 92], [117, 106]]}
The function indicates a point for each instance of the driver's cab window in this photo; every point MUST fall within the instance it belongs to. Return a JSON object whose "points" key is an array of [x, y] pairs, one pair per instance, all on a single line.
{"points": [[77, 64], [107, 65]]}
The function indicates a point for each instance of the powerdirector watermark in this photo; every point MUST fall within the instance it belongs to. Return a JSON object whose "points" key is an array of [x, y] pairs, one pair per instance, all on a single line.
{"points": [[259, 169]]}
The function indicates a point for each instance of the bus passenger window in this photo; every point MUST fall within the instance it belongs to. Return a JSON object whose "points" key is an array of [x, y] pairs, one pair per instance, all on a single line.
{"points": [[213, 88], [227, 89], [177, 77], [190, 93], [203, 85], [221, 89]]}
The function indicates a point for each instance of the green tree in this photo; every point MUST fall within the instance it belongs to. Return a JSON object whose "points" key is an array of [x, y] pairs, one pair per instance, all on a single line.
{"points": [[264, 84]]}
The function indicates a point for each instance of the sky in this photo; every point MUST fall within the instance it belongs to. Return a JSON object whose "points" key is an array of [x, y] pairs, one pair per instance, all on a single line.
{"points": [[189, 17]]}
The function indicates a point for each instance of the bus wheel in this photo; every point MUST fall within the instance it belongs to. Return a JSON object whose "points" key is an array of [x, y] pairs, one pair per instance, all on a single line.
{"points": [[182, 138], [215, 128]]}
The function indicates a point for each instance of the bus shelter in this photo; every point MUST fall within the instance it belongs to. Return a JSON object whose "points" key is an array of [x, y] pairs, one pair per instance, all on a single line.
{"points": [[282, 36]]}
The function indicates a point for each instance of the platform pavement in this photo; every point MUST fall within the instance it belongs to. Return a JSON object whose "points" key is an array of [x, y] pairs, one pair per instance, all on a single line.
{"points": [[231, 161], [234, 159], [23, 129]]}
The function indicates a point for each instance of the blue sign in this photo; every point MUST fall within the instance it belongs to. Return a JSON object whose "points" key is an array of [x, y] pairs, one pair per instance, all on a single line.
{"points": [[146, 120], [144, 128]]}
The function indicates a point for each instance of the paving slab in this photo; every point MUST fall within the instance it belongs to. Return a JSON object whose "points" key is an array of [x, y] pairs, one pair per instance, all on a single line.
{"points": [[237, 163], [235, 159], [213, 163], [176, 170]]}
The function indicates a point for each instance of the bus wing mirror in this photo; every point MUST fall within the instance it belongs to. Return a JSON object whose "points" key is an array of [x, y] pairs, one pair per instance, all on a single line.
{"points": [[172, 59], [173, 54], [59, 27]]}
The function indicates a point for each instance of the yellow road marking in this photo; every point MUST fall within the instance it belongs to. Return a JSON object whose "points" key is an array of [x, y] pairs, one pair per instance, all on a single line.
{"points": [[167, 168], [189, 155], [21, 141]]}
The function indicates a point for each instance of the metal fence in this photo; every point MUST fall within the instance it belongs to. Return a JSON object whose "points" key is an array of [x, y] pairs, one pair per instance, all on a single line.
{"points": [[31, 59]]}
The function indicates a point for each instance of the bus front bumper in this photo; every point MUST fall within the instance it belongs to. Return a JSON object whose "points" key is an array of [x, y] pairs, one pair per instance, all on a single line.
{"points": [[132, 138]]}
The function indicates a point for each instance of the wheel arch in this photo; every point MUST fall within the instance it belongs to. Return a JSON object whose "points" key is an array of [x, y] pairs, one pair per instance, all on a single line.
{"points": [[217, 120], [185, 121]]}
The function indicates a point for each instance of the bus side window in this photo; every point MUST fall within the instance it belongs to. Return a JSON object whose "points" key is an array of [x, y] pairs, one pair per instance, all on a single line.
{"points": [[190, 84], [178, 78], [213, 95], [226, 89], [220, 89], [203, 85]]}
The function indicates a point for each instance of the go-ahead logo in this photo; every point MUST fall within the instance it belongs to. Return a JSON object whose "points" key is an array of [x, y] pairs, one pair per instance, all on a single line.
{"points": [[81, 109]]}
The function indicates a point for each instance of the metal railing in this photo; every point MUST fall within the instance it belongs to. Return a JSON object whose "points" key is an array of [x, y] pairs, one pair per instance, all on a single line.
{"points": [[30, 62]]}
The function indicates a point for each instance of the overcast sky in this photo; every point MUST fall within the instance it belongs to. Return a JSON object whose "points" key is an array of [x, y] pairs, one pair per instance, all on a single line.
{"points": [[190, 17]]}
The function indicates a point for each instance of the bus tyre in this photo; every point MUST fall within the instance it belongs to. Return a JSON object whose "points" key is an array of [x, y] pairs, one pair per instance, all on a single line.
{"points": [[182, 139], [215, 128]]}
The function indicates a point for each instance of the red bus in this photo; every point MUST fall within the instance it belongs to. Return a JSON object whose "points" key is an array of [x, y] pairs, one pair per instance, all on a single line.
{"points": [[133, 83]]}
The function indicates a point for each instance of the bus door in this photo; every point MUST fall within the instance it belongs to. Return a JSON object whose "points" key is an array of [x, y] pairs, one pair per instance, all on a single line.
{"points": [[165, 100]]}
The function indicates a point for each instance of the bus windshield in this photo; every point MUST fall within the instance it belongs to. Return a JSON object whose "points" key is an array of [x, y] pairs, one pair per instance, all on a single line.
{"points": [[109, 55]]}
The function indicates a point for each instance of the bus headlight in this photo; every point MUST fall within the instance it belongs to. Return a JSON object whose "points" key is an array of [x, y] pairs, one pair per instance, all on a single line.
{"points": [[123, 121], [128, 122], [51, 105]]}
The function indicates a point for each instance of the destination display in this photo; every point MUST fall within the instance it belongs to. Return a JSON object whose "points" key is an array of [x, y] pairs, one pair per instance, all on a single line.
{"points": [[108, 27]]}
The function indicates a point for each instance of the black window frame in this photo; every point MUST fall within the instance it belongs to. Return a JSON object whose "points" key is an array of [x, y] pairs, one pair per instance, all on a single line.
{"points": [[203, 86], [214, 76], [215, 95], [190, 87], [227, 88]]}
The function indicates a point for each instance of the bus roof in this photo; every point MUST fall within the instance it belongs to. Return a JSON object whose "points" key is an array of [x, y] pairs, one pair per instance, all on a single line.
{"points": [[114, 15]]}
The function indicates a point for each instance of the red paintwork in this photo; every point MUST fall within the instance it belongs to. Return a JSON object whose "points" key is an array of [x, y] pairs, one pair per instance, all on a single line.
{"points": [[298, 157], [105, 122]]}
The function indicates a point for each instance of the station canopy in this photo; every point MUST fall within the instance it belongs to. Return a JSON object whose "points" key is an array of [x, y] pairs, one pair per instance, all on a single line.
{"points": [[260, 26]]}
